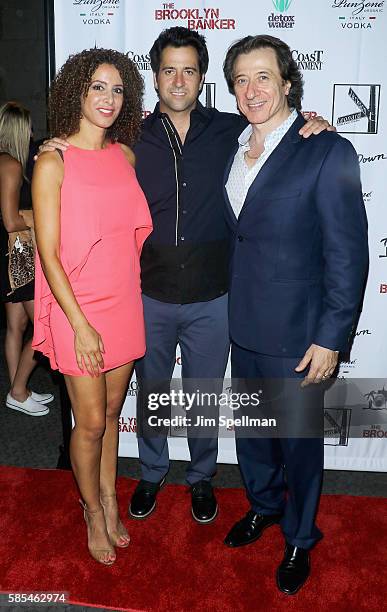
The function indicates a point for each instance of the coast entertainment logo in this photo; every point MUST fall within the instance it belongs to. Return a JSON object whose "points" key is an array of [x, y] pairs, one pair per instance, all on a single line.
{"points": [[195, 18], [142, 60], [355, 108], [311, 60], [133, 389], [97, 12], [357, 15], [207, 96], [281, 21]]}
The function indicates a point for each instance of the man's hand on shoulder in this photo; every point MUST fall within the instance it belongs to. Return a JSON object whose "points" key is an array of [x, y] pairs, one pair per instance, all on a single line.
{"points": [[322, 362], [48, 169], [315, 126], [51, 145]]}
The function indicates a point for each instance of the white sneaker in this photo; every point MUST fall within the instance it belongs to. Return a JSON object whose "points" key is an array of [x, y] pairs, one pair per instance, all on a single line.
{"points": [[29, 406], [42, 398]]}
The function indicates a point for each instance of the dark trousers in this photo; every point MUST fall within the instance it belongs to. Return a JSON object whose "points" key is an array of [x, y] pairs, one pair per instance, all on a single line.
{"points": [[201, 330], [282, 474]]}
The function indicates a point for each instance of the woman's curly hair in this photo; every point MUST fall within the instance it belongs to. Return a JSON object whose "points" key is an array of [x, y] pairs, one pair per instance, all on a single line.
{"points": [[72, 83]]}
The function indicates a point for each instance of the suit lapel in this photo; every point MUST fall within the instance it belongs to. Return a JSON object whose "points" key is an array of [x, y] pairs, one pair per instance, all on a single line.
{"points": [[269, 173], [230, 215]]}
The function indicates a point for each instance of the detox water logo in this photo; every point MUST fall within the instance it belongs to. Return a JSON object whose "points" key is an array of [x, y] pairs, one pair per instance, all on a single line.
{"points": [[281, 20], [282, 5]]}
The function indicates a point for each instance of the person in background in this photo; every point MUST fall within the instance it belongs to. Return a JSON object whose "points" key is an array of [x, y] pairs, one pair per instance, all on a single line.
{"points": [[16, 222], [91, 219]]}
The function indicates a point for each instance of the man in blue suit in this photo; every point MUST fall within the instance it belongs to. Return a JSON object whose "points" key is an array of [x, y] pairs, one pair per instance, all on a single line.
{"points": [[298, 269]]}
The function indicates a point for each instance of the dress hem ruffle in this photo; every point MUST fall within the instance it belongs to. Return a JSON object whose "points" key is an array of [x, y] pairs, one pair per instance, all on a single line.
{"points": [[42, 339]]}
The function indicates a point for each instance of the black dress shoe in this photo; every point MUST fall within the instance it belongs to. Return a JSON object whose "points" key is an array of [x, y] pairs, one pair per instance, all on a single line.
{"points": [[143, 500], [250, 528], [293, 570], [204, 505]]}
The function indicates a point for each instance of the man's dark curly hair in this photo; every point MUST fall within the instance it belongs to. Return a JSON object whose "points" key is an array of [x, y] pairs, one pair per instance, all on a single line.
{"points": [[72, 83], [179, 37], [288, 68]]}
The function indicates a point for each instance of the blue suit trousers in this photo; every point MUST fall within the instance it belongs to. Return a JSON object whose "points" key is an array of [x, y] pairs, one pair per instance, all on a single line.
{"points": [[283, 474]]}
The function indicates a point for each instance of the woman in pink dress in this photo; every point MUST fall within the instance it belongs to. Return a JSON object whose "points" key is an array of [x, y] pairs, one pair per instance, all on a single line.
{"points": [[91, 220]]}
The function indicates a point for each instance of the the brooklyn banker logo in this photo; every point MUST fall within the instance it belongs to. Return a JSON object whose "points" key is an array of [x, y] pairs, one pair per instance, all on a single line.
{"points": [[281, 18], [97, 12], [355, 108], [209, 18]]}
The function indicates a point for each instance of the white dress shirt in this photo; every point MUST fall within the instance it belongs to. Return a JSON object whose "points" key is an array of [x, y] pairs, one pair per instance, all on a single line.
{"points": [[241, 176]]}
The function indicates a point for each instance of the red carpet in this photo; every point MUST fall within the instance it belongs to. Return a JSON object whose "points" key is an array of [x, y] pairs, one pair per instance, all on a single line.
{"points": [[175, 565]]}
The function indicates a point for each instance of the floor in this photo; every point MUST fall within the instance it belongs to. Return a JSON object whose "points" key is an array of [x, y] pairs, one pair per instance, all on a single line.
{"points": [[35, 442]]}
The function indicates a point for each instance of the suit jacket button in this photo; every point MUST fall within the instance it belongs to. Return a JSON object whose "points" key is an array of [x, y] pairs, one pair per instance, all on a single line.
{"points": [[240, 238]]}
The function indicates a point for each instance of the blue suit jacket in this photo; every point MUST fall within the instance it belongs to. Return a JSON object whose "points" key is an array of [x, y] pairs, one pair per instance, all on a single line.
{"points": [[300, 253]]}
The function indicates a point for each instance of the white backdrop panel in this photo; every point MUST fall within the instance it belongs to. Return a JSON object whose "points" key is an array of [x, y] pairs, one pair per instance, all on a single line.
{"points": [[342, 51]]}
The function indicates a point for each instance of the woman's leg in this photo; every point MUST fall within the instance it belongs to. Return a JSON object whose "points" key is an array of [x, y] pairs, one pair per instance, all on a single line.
{"points": [[88, 400], [17, 321], [116, 385], [26, 362]]}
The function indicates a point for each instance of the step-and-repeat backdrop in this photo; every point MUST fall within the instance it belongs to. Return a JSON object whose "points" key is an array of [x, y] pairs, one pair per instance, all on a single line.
{"points": [[341, 48]]}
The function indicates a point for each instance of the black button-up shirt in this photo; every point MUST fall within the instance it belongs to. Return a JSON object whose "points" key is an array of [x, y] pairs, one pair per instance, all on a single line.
{"points": [[185, 259]]}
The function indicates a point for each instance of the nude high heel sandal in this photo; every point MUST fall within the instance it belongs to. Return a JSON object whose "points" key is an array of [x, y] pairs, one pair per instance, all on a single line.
{"points": [[119, 538], [99, 554]]}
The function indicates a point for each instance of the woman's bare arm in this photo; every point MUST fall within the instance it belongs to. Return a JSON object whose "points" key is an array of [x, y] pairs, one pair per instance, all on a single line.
{"points": [[11, 177], [130, 156]]}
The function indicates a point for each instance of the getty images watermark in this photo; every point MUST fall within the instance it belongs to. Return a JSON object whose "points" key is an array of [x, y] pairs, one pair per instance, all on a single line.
{"points": [[199, 399]]}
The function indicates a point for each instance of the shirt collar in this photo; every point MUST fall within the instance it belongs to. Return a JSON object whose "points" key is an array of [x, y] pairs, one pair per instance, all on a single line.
{"points": [[243, 139]]}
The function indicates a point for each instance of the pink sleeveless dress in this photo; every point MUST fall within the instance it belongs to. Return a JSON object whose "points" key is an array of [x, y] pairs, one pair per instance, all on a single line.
{"points": [[104, 222]]}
